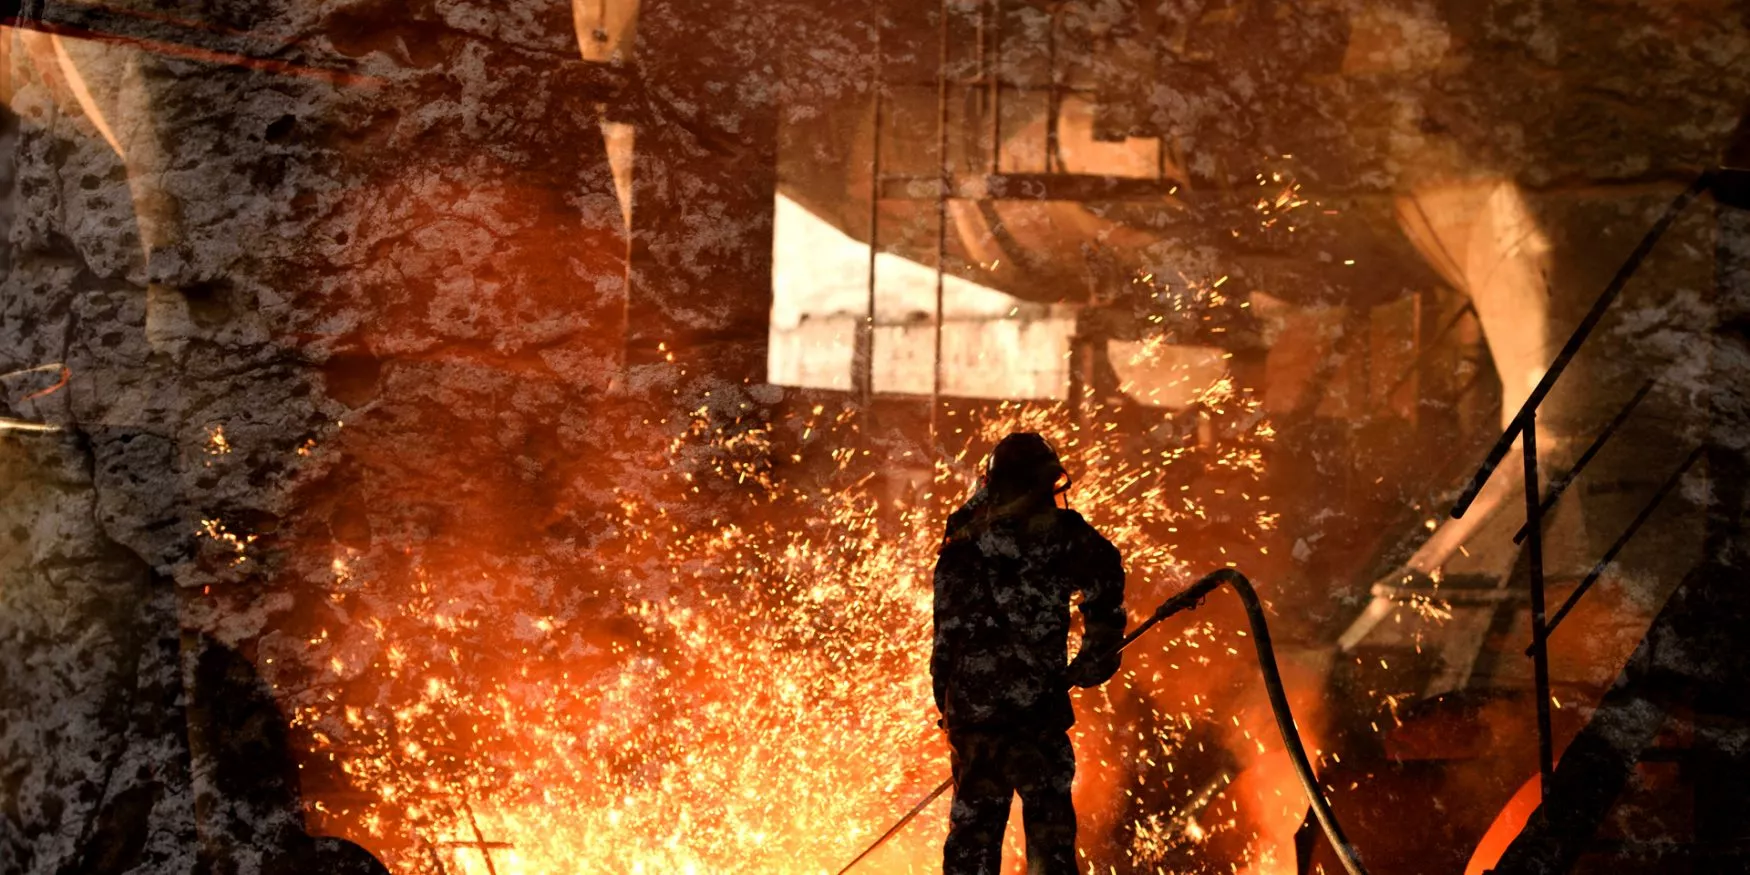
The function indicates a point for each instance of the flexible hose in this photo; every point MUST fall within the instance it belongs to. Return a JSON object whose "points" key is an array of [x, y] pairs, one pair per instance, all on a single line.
{"points": [[1285, 717], [1191, 597]]}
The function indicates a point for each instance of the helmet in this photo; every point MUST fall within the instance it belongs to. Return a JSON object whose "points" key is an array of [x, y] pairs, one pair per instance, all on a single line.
{"points": [[1020, 466], [1023, 462]]}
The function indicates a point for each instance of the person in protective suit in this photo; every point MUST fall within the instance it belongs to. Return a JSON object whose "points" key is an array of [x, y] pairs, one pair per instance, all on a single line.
{"points": [[1011, 561]]}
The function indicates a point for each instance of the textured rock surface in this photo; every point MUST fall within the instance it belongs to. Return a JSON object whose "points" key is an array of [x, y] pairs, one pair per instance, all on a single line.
{"points": [[362, 308], [427, 246]]}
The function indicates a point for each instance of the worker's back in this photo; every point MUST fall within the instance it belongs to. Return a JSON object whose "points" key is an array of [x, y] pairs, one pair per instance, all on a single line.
{"points": [[1010, 564], [1003, 592]]}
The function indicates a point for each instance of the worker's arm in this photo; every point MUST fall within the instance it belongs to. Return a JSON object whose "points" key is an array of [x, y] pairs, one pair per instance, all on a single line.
{"points": [[946, 623], [1102, 612]]}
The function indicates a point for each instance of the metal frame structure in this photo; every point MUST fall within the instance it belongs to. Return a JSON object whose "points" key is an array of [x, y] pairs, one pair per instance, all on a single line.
{"points": [[945, 184]]}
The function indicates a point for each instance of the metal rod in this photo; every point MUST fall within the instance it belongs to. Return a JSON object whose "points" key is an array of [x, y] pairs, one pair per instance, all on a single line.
{"points": [[431, 847], [1610, 555], [995, 59], [182, 38], [1051, 96], [865, 352], [1361, 380], [1556, 489], [1191, 597], [1189, 810], [1578, 338], [900, 824], [1425, 350], [479, 838], [1078, 352], [435, 859], [1421, 311], [1534, 556], [947, 171]]}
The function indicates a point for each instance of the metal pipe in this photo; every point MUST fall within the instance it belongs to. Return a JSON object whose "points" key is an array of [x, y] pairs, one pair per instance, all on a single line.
{"points": [[1187, 599]]}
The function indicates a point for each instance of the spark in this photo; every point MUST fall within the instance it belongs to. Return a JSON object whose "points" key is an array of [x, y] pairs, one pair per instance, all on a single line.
{"points": [[217, 443], [768, 674], [237, 544]]}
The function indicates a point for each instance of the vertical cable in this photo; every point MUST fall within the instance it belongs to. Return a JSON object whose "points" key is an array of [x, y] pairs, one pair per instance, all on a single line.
{"points": [[994, 58], [946, 172], [863, 367]]}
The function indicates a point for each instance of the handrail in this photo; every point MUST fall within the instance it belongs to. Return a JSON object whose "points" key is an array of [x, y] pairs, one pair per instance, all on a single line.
{"points": [[1578, 339], [1560, 486], [1523, 427], [1610, 554]]}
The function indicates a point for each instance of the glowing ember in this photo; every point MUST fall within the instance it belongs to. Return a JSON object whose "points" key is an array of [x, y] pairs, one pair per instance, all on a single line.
{"points": [[231, 542], [217, 443], [758, 702]]}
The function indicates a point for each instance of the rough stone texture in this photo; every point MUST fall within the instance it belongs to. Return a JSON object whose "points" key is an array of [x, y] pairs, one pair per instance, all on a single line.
{"points": [[429, 245], [392, 272], [701, 275]]}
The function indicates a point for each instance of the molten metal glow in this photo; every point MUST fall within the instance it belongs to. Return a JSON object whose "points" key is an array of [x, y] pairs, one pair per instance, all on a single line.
{"points": [[750, 695]]}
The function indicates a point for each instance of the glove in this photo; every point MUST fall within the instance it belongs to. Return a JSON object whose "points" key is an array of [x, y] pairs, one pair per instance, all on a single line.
{"points": [[1087, 670]]}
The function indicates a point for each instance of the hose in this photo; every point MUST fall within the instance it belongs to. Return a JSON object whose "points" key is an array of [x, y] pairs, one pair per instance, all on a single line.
{"points": [[1189, 598], [1315, 797]]}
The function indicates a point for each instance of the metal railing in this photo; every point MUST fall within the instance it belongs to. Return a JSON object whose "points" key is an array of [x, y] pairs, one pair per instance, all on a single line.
{"points": [[1523, 429]]}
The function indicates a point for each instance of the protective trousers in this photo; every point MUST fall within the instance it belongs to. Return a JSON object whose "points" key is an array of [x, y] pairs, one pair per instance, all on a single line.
{"points": [[989, 769]]}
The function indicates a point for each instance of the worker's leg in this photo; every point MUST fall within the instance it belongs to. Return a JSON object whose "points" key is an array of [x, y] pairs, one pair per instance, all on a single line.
{"points": [[1044, 768], [981, 805]]}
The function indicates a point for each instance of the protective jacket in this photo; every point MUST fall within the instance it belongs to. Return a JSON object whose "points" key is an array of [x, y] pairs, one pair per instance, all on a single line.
{"points": [[1003, 592]]}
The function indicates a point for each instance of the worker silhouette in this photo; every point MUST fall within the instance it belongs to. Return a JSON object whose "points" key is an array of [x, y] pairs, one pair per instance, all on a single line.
{"points": [[1010, 563]]}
